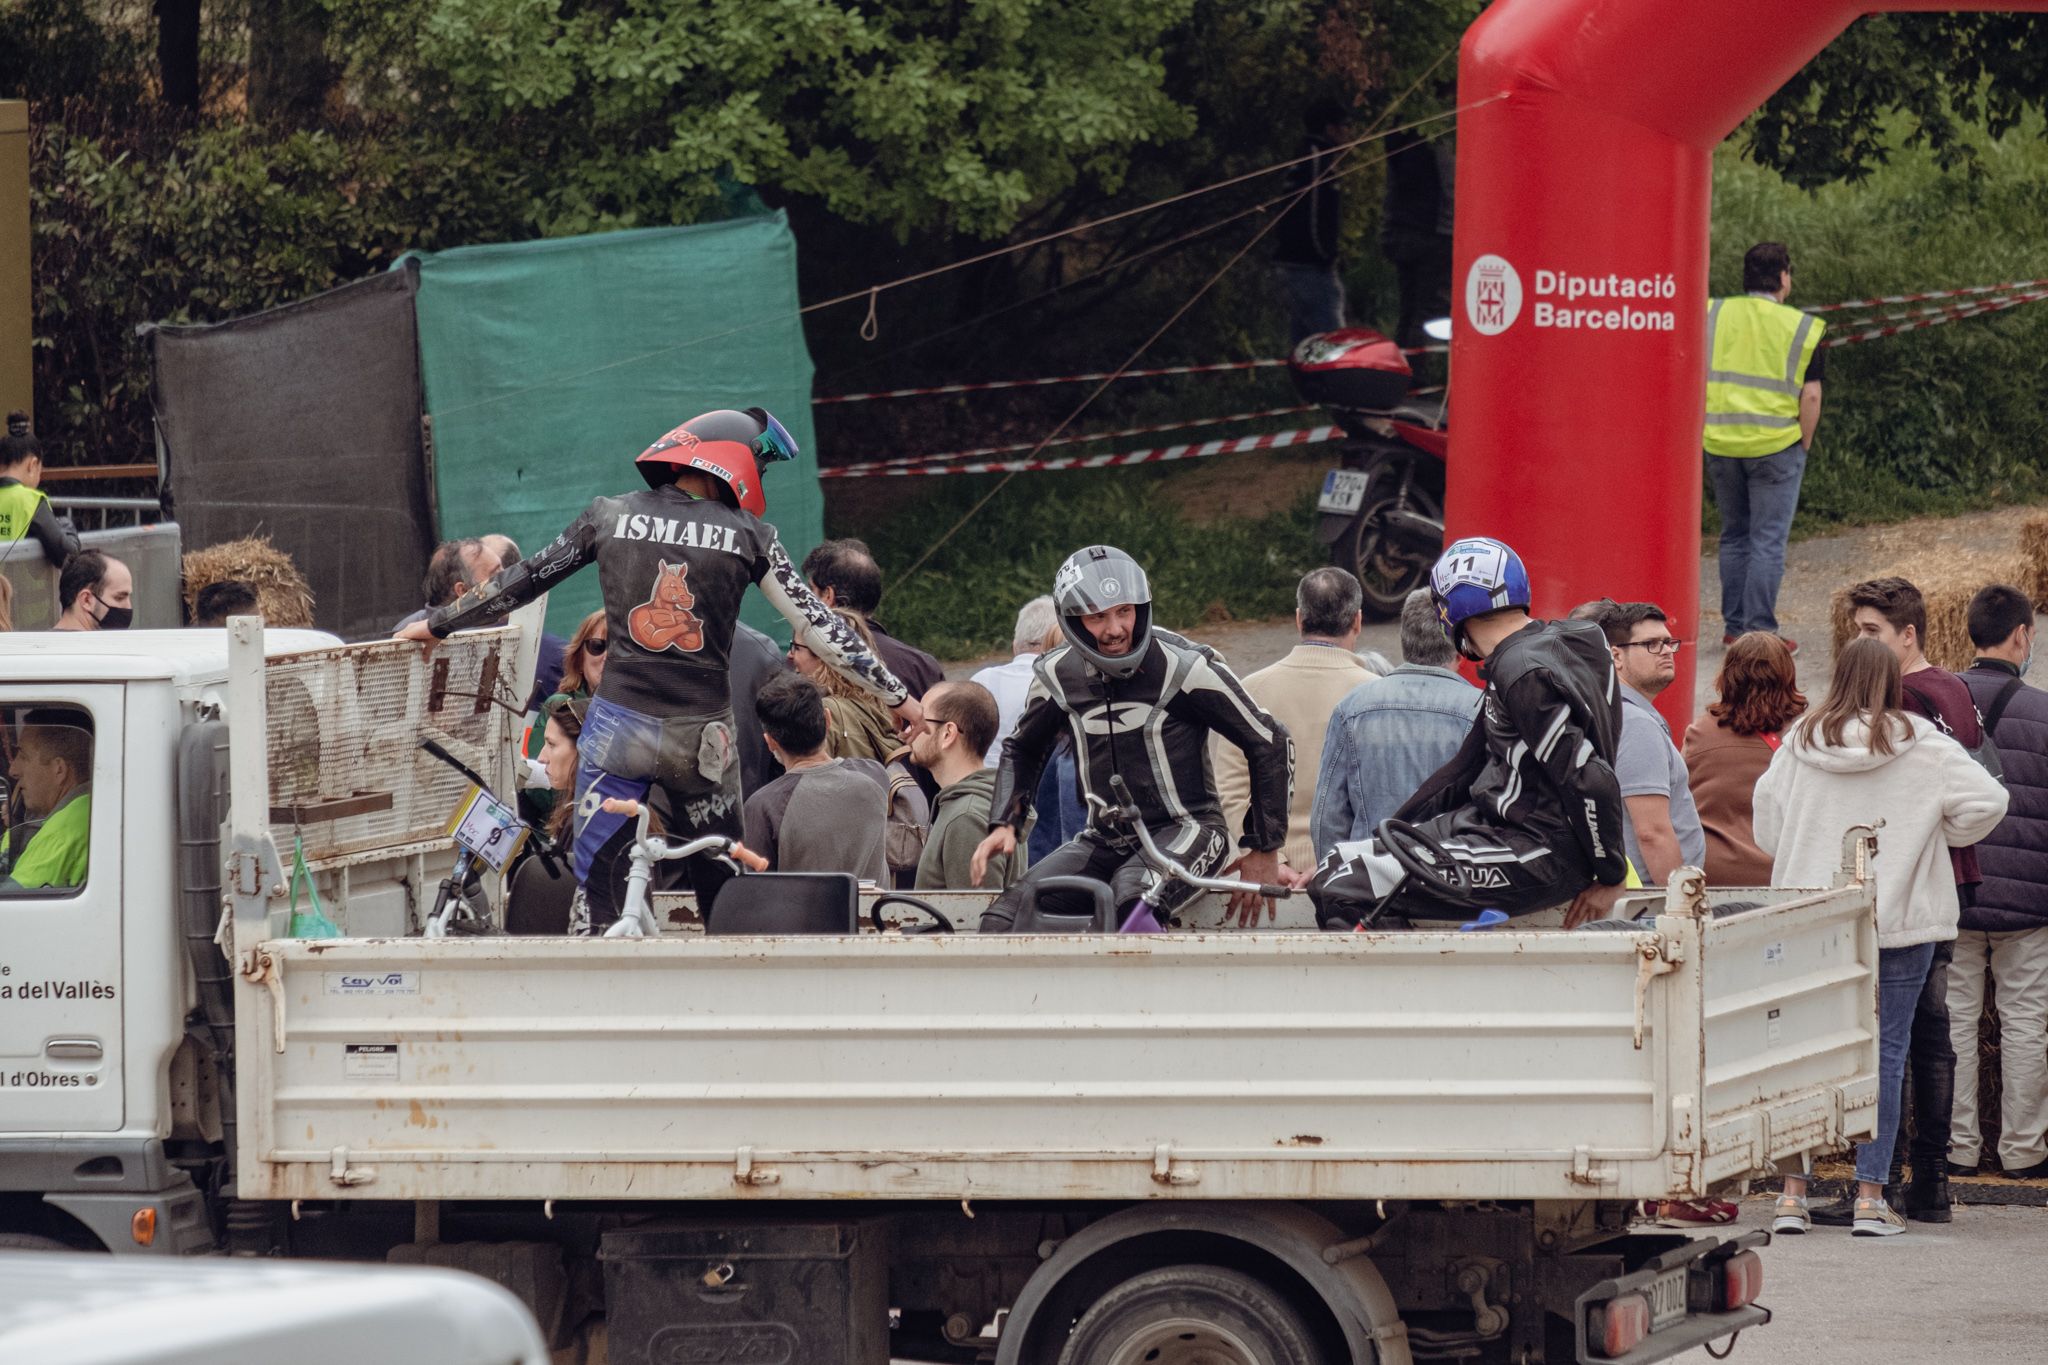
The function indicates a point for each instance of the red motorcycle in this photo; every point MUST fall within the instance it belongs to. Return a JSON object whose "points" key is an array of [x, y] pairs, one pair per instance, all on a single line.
{"points": [[1381, 511]]}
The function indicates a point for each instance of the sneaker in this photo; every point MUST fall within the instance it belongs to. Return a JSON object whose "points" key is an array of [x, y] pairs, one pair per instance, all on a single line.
{"points": [[1727, 638], [1696, 1212], [1875, 1218], [2037, 1171], [1790, 1218], [1957, 1168], [1927, 1199]]}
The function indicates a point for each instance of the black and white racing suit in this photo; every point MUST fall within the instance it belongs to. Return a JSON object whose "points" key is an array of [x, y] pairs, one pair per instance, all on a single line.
{"points": [[1152, 729], [672, 568], [1529, 810]]}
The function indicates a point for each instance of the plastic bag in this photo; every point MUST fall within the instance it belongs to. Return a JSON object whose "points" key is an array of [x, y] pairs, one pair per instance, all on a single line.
{"points": [[311, 922]]}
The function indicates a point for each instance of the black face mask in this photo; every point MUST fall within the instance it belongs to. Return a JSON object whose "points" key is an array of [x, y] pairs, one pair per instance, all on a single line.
{"points": [[114, 618]]}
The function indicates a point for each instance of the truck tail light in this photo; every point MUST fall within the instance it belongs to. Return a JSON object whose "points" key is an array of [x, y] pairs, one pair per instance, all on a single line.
{"points": [[1742, 1279], [1618, 1326], [142, 1227]]}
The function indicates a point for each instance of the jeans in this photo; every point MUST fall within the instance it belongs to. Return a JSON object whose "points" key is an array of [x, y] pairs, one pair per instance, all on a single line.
{"points": [[1757, 497], [1061, 815], [1901, 972], [1931, 1058], [1315, 298]]}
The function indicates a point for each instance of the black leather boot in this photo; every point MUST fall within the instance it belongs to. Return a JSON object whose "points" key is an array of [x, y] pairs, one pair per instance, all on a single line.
{"points": [[1926, 1198]]}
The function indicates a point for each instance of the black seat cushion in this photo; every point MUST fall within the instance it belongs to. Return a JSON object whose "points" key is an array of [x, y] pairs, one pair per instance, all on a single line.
{"points": [[787, 903]]}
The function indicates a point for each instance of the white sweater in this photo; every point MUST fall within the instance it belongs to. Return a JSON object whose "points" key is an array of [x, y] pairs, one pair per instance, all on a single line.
{"points": [[1929, 793]]}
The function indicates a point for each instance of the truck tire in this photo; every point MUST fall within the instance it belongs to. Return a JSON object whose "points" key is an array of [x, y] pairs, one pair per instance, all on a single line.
{"points": [[32, 1241], [1191, 1315]]}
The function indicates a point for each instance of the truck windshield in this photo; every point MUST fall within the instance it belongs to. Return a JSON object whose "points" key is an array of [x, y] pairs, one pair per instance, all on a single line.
{"points": [[47, 839]]}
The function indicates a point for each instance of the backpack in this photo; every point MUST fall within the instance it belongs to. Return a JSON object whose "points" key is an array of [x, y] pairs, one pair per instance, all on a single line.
{"points": [[1986, 751], [910, 819]]}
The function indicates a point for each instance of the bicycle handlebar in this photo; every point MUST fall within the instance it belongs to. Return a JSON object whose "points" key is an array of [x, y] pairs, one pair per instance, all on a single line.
{"points": [[666, 851], [1126, 813]]}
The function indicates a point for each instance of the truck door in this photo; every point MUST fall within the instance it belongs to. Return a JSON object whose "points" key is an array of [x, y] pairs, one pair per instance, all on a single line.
{"points": [[60, 909]]}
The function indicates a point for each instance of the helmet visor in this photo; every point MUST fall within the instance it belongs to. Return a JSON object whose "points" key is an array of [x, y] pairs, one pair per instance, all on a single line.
{"points": [[774, 443]]}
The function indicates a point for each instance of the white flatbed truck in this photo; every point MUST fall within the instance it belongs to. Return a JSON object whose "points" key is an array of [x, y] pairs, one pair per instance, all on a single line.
{"points": [[1273, 1146]]}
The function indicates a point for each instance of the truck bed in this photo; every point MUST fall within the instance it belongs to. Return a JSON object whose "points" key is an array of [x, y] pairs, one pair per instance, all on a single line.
{"points": [[1523, 1064]]}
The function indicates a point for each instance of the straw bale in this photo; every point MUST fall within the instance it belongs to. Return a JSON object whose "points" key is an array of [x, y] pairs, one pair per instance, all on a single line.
{"points": [[1947, 580], [2034, 551], [282, 593]]}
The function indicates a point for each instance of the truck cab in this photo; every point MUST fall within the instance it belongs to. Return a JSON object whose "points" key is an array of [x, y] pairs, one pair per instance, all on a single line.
{"points": [[112, 1112]]}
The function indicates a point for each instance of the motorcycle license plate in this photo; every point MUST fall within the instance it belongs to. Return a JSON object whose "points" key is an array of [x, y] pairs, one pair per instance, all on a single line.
{"points": [[1343, 491], [1667, 1299]]}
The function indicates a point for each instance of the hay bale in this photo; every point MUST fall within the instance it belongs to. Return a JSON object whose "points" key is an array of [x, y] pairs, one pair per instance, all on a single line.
{"points": [[1947, 580], [282, 593], [2034, 552]]}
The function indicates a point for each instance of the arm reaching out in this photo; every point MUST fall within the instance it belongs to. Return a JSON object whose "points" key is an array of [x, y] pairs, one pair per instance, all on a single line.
{"points": [[514, 586], [822, 631]]}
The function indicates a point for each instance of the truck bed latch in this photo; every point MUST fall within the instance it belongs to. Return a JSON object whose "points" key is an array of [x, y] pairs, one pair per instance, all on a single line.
{"points": [[341, 1173], [261, 969], [744, 1172], [1660, 957], [1586, 1171], [1166, 1173]]}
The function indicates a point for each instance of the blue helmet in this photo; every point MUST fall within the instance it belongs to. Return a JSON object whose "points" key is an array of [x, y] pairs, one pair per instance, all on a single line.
{"points": [[1475, 576]]}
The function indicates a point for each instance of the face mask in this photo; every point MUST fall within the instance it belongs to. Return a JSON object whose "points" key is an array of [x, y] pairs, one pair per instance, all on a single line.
{"points": [[114, 618]]}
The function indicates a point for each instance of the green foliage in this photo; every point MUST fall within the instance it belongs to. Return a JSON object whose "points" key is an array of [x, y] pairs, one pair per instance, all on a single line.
{"points": [[965, 600], [213, 223], [1931, 420], [1911, 81], [909, 113]]}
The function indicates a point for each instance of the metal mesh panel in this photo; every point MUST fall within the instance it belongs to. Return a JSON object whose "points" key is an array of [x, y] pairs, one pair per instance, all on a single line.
{"points": [[346, 770]]}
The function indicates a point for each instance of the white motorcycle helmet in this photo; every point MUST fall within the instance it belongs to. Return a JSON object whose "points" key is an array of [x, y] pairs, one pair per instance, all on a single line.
{"points": [[1094, 580]]}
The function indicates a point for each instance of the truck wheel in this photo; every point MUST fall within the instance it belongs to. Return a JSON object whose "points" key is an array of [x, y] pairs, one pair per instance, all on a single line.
{"points": [[30, 1241], [1191, 1315]]}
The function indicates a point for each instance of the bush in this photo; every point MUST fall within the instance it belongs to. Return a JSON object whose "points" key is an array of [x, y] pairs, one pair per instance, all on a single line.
{"points": [[197, 224], [1928, 421]]}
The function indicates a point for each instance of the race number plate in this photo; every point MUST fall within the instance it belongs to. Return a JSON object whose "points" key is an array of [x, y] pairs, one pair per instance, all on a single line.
{"points": [[1667, 1299], [487, 828], [1343, 491]]}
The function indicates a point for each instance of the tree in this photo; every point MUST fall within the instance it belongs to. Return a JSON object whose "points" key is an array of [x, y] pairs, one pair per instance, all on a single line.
{"points": [[1940, 73]]}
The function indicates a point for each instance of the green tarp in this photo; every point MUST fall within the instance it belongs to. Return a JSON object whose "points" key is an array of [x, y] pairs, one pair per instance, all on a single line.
{"points": [[549, 365]]}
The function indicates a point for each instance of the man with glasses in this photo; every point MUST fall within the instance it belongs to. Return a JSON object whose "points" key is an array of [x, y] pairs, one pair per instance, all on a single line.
{"points": [[1662, 824]]}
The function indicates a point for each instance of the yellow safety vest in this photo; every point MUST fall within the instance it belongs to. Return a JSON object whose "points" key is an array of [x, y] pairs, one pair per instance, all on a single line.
{"points": [[1757, 350], [18, 503]]}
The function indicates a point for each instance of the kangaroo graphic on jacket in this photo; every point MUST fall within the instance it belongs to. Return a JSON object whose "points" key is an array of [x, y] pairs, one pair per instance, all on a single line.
{"points": [[664, 620]]}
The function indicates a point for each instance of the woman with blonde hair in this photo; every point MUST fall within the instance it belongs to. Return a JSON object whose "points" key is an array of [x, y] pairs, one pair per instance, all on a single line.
{"points": [[1860, 759], [860, 726], [1728, 748]]}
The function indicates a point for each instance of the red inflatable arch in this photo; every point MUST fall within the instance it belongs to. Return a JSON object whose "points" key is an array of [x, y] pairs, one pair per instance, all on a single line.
{"points": [[1580, 280]]}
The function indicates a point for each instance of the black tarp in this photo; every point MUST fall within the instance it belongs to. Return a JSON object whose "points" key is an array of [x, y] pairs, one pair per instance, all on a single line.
{"points": [[302, 423]]}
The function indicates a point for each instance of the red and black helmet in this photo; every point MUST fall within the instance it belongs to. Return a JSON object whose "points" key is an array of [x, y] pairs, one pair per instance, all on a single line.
{"points": [[727, 444]]}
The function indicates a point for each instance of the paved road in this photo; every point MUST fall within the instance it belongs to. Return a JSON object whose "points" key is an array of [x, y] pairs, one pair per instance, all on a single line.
{"points": [[1974, 1293]]}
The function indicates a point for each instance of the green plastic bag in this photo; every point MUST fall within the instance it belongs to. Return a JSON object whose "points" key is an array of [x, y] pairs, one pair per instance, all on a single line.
{"points": [[311, 922]]}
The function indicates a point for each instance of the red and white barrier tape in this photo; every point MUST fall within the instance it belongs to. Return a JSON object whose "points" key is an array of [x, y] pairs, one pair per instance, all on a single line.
{"points": [[1274, 440], [1935, 317], [984, 386], [1186, 424], [1930, 294]]}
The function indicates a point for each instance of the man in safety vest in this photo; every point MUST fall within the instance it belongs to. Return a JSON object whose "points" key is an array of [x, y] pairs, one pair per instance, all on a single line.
{"points": [[1763, 402], [24, 509]]}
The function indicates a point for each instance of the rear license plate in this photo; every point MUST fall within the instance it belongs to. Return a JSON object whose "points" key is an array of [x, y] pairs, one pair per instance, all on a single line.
{"points": [[1343, 491], [1667, 1299]]}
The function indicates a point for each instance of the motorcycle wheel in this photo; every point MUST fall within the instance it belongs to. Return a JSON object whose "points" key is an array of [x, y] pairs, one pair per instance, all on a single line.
{"points": [[1389, 570]]}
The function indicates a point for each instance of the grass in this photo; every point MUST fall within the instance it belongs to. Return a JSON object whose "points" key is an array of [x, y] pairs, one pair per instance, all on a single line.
{"points": [[965, 600]]}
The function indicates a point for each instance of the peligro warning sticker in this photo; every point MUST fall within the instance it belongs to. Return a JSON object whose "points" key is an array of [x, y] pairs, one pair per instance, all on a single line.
{"points": [[369, 1061]]}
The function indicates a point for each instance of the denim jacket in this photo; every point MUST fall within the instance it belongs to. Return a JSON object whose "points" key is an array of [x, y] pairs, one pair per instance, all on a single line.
{"points": [[1384, 739]]}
